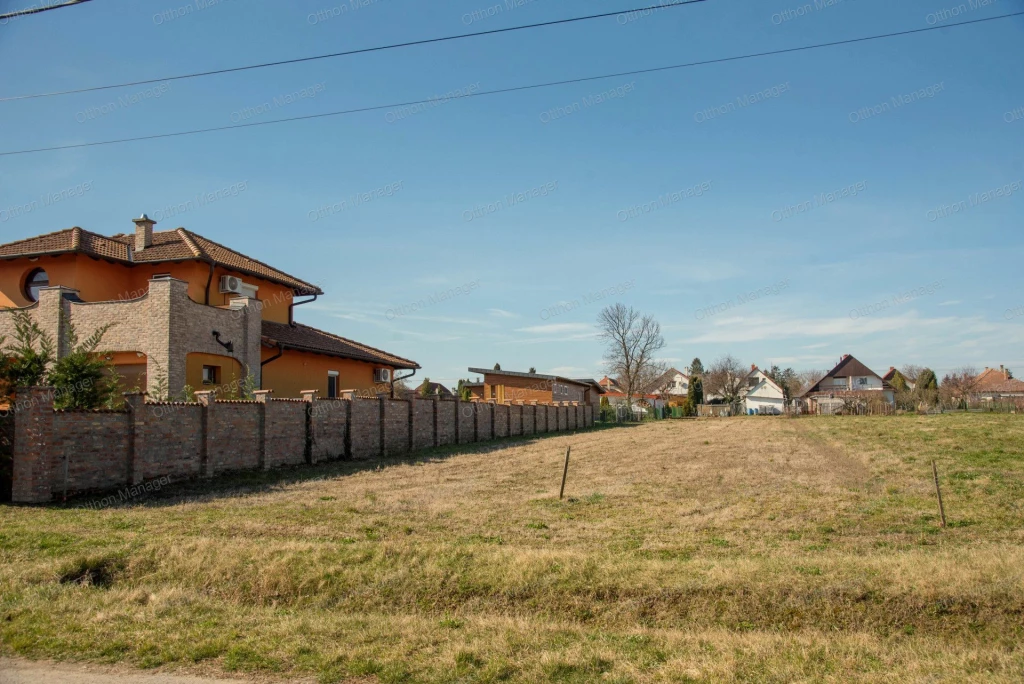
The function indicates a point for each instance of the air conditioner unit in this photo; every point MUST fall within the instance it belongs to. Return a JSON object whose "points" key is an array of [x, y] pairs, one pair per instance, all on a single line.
{"points": [[231, 285], [382, 375], [234, 285]]}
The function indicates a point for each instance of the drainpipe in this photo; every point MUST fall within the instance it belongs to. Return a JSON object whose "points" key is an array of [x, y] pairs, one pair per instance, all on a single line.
{"points": [[404, 377], [275, 357], [209, 281], [291, 307]]}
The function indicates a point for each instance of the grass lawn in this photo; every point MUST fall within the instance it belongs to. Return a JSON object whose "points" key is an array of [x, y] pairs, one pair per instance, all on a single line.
{"points": [[754, 549]]}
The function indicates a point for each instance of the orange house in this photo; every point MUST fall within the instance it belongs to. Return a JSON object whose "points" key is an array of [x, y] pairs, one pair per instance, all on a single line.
{"points": [[186, 311]]}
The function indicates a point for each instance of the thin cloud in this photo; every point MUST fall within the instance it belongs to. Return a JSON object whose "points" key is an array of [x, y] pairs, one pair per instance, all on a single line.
{"points": [[556, 328]]}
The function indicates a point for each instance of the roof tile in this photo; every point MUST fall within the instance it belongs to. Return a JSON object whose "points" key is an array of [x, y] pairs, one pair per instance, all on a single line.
{"points": [[306, 338]]}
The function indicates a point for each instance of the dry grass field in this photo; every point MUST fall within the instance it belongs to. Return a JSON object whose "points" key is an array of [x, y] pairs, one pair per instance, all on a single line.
{"points": [[748, 549]]}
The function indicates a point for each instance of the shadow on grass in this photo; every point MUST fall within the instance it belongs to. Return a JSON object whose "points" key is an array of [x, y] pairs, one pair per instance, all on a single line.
{"points": [[249, 482]]}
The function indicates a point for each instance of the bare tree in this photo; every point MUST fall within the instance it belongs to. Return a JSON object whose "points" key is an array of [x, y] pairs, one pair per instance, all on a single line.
{"points": [[632, 339], [727, 379], [911, 371], [807, 378], [958, 387]]}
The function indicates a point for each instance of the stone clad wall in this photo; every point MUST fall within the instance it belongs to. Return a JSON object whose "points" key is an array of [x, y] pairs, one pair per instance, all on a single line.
{"points": [[284, 438], [168, 439], [501, 420], [396, 426], [329, 424], [78, 451], [364, 428], [447, 414], [515, 419], [529, 418], [423, 423]]}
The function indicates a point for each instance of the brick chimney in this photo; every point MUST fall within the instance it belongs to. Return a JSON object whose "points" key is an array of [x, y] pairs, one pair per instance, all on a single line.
{"points": [[1003, 371], [143, 232]]}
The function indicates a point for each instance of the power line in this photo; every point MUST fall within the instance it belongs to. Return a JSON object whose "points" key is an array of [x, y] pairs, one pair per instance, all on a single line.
{"points": [[513, 89], [379, 48], [41, 8]]}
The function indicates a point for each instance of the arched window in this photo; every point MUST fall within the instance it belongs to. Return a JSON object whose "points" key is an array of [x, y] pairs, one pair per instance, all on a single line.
{"points": [[36, 279]]}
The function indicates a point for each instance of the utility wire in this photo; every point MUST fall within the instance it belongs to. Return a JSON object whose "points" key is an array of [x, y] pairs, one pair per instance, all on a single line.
{"points": [[379, 48], [514, 89], [41, 8]]}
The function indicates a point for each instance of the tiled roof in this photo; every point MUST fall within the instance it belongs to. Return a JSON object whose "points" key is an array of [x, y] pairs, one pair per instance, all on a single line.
{"points": [[993, 380], [168, 245], [305, 338], [848, 367]]}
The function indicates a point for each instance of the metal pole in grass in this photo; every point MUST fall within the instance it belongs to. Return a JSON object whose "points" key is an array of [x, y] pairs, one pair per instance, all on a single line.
{"points": [[565, 472], [938, 492]]}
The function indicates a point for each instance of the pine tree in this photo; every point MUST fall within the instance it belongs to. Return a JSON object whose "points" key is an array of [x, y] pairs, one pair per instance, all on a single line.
{"points": [[695, 393]]}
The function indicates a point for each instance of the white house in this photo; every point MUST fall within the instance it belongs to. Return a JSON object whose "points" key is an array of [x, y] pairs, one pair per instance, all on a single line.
{"points": [[850, 381], [764, 396], [673, 382]]}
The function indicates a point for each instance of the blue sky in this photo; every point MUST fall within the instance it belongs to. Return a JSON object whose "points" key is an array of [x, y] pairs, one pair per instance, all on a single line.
{"points": [[740, 154]]}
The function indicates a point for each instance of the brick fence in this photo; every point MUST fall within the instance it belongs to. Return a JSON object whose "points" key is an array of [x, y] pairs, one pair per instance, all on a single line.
{"points": [[61, 452]]}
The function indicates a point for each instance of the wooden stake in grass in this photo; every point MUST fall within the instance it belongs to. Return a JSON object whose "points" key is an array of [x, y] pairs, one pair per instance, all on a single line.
{"points": [[938, 493], [565, 472]]}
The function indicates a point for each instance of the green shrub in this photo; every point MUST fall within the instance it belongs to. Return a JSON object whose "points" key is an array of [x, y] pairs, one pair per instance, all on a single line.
{"points": [[82, 379]]}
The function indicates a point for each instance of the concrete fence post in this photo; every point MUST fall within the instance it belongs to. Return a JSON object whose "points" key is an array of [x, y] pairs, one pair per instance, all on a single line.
{"points": [[34, 463], [135, 402], [308, 396], [348, 427], [437, 404], [458, 417], [412, 419], [476, 421], [262, 396], [383, 433]]}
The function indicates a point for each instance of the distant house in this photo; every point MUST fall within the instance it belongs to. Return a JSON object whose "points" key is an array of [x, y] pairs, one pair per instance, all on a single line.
{"points": [[893, 374], [994, 384], [673, 383], [433, 389], [764, 396], [476, 389], [849, 382], [503, 386]]}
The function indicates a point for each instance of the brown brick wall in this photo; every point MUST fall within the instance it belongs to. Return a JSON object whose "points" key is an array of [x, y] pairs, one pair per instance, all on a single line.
{"points": [[447, 414], [396, 426], [285, 432], [232, 436], [365, 428], [107, 450], [95, 444], [501, 420], [423, 423], [484, 421], [529, 424], [328, 422], [168, 441], [515, 419], [466, 421]]}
